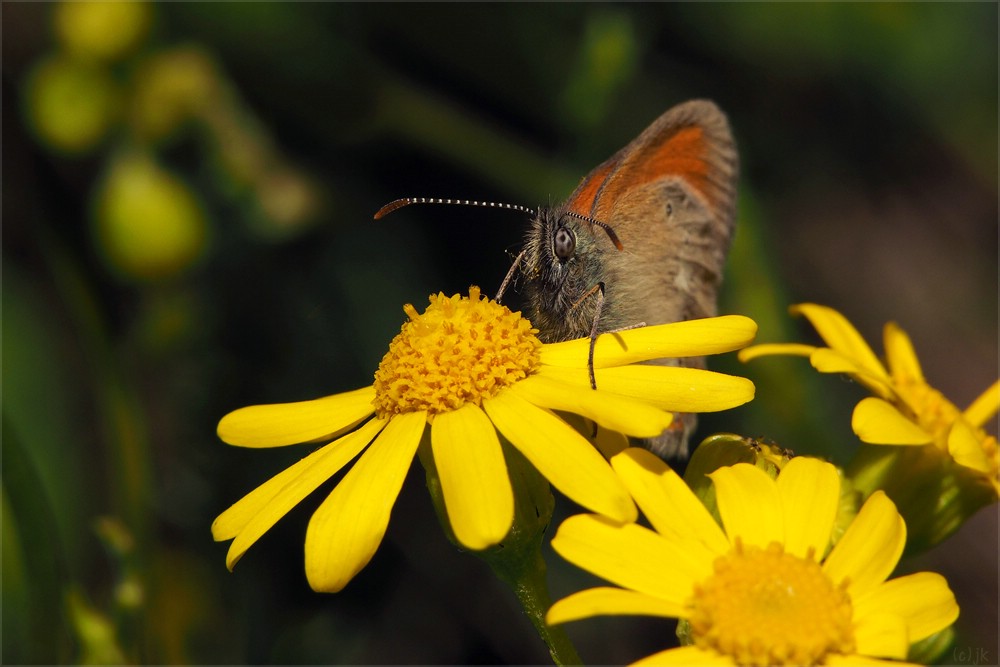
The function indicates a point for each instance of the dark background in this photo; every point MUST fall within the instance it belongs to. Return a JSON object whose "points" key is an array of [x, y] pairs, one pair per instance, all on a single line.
{"points": [[868, 140]]}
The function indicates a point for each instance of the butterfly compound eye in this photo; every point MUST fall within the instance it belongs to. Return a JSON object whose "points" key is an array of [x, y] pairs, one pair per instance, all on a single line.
{"points": [[564, 243]]}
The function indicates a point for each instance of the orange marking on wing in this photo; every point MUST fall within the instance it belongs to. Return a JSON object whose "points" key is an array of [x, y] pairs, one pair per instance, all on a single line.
{"points": [[583, 199], [683, 154]]}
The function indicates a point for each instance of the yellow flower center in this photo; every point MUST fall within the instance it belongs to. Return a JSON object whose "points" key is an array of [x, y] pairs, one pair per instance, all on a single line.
{"points": [[766, 607], [460, 350], [929, 408]]}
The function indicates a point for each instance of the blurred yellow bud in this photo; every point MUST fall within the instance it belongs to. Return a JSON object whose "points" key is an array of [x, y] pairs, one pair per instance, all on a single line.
{"points": [[149, 223], [171, 87], [287, 198], [101, 30], [70, 104], [95, 632]]}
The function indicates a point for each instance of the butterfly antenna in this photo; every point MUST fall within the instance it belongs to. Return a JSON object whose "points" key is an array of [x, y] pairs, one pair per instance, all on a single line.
{"points": [[603, 225], [406, 201]]}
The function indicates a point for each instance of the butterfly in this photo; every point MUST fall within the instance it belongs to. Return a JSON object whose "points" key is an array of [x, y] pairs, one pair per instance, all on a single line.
{"points": [[642, 240]]}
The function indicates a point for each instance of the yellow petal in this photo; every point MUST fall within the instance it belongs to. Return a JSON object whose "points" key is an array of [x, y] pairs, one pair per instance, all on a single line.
{"points": [[810, 494], [855, 660], [749, 505], [607, 601], [668, 387], [770, 349], [879, 422], [631, 556], [985, 407], [923, 600], [966, 448], [900, 355], [693, 338], [263, 507], [826, 360], [882, 635], [473, 473], [870, 548], [632, 417], [608, 442], [348, 526], [841, 336], [561, 455], [666, 500], [228, 524], [685, 655], [290, 423]]}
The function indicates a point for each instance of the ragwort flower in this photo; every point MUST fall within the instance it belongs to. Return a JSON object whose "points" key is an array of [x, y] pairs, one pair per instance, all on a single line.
{"points": [[471, 368], [763, 590], [945, 465], [905, 409]]}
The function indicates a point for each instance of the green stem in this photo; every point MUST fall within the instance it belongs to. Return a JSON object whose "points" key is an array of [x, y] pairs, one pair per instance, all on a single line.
{"points": [[529, 585], [517, 559]]}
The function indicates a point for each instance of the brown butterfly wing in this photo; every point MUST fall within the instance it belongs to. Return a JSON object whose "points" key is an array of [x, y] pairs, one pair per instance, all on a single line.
{"points": [[670, 196]]}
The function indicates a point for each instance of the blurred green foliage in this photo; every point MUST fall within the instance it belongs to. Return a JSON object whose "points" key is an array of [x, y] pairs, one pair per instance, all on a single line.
{"points": [[273, 131]]}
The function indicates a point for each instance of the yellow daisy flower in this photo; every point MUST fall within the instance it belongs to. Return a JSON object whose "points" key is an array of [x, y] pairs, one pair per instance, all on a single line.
{"points": [[763, 590], [905, 409], [470, 368]]}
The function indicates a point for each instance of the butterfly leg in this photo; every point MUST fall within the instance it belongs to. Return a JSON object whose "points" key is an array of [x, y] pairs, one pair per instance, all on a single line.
{"points": [[598, 291], [510, 275]]}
